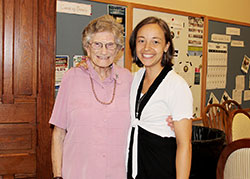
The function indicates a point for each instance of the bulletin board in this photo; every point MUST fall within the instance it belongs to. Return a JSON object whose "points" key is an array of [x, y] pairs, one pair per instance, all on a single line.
{"points": [[227, 63], [188, 41]]}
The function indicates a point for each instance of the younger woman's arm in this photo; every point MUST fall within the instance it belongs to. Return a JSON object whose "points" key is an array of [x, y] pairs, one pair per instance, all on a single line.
{"points": [[183, 132]]}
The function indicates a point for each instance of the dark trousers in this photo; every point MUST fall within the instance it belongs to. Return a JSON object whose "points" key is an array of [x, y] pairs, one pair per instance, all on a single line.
{"points": [[156, 156]]}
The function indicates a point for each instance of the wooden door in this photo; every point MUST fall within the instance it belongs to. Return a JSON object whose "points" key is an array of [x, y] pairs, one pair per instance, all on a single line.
{"points": [[27, 43]]}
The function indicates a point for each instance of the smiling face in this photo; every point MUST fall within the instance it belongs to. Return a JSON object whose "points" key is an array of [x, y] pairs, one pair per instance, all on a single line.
{"points": [[102, 57], [150, 45]]}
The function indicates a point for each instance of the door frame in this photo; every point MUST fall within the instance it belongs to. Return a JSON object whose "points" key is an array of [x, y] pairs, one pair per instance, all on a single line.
{"points": [[46, 80]]}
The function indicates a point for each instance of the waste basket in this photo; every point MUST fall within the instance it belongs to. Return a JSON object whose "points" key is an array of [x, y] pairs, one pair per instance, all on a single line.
{"points": [[207, 144]]}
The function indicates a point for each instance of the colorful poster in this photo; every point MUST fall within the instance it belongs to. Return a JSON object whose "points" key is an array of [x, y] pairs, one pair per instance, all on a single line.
{"points": [[195, 36], [61, 66]]}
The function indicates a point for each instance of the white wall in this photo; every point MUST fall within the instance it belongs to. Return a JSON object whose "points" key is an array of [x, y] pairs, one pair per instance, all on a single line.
{"points": [[225, 9]]}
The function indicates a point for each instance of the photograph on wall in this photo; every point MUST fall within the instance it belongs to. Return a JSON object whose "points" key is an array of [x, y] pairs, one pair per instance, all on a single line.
{"points": [[119, 13], [61, 66], [245, 64]]}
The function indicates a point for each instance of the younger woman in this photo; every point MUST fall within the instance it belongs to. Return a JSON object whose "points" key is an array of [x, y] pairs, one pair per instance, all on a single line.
{"points": [[157, 152]]}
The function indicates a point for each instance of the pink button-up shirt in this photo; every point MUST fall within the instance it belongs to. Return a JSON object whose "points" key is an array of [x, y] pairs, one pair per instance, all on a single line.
{"points": [[96, 139]]}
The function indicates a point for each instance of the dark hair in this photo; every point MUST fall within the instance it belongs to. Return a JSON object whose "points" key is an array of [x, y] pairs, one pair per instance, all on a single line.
{"points": [[167, 56]]}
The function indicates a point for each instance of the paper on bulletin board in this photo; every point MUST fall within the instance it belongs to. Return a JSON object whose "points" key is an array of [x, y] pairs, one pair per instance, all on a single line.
{"points": [[240, 82], [232, 31], [237, 96], [221, 38], [216, 77], [73, 8], [225, 97], [217, 54], [246, 95], [212, 99], [237, 43]]}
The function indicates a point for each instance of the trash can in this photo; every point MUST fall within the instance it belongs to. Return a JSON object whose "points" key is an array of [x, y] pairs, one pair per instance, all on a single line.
{"points": [[207, 144]]}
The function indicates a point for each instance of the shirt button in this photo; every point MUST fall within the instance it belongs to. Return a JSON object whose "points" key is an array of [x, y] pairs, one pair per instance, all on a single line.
{"points": [[104, 155]]}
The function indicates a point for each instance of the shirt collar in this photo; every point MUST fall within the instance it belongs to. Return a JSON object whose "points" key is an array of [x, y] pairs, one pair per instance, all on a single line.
{"points": [[113, 76]]}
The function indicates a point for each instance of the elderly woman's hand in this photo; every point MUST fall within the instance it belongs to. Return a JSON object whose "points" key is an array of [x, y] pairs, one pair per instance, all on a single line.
{"points": [[170, 122]]}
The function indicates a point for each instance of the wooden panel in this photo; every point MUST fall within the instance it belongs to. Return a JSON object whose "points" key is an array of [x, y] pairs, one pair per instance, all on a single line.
{"points": [[25, 58], [1, 47], [46, 76], [18, 78], [8, 10], [14, 164], [18, 113], [25, 176], [204, 66], [8, 177], [17, 138], [129, 22]]}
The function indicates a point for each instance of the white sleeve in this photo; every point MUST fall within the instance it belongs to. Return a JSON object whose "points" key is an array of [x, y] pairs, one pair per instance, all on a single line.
{"points": [[181, 100]]}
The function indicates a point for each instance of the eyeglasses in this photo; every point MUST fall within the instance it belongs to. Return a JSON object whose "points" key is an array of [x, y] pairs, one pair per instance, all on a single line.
{"points": [[99, 45]]}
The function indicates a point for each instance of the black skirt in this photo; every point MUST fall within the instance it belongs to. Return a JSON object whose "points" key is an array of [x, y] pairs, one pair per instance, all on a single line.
{"points": [[156, 156]]}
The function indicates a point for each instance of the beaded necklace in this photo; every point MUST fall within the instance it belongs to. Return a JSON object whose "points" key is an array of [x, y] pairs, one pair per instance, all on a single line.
{"points": [[93, 90]]}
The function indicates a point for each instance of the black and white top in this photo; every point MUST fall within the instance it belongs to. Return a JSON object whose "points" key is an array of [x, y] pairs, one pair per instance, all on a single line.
{"points": [[172, 97]]}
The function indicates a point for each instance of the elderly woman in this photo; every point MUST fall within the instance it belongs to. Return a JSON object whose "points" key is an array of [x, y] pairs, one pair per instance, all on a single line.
{"points": [[91, 113]]}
